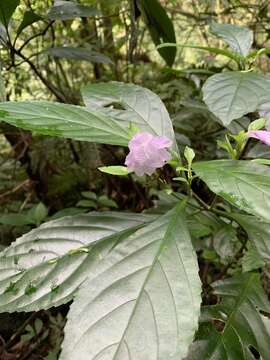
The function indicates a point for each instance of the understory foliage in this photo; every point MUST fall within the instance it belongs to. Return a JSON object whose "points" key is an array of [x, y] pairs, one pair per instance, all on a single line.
{"points": [[145, 202]]}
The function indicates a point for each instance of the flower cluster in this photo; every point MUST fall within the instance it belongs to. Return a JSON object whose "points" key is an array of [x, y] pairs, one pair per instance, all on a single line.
{"points": [[147, 153]]}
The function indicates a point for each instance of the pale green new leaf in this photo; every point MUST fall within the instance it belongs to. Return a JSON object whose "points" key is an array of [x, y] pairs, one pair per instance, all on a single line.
{"points": [[241, 309], [233, 94], [244, 184], [46, 266], [146, 302], [115, 170], [69, 121], [130, 103], [237, 37]]}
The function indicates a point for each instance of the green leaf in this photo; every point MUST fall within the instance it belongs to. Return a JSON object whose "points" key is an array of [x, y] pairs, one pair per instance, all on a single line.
{"points": [[251, 260], [145, 303], [244, 184], [89, 195], [130, 103], [7, 8], [225, 241], [67, 212], [257, 124], [189, 155], [160, 27], [38, 213], [241, 313], [258, 232], [212, 50], [15, 219], [45, 267], [262, 161], [87, 203], [233, 94], [105, 201], [115, 170], [29, 18], [2, 88], [78, 53], [70, 10], [69, 121], [239, 38]]}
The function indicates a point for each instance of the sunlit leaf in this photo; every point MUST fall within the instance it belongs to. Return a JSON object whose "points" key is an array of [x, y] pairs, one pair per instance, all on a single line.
{"points": [[232, 94], [69, 121], [53, 260], [130, 104], [244, 184], [145, 303], [239, 38]]}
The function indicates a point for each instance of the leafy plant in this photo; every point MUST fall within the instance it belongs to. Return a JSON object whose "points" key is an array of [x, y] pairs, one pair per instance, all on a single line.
{"points": [[134, 278]]}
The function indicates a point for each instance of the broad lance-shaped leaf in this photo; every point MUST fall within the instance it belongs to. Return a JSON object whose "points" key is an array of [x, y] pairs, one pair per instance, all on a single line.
{"points": [[160, 27], [130, 104], [146, 302], [239, 38], [241, 309], [244, 184], [233, 94], [69, 121], [46, 266], [97, 122]]}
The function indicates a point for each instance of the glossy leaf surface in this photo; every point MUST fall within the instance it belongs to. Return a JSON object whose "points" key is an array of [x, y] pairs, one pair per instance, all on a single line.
{"points": [[69, 121], [130, 104], [232, 94], [145, 303], [244, 184], [237, 37], [46, 266]]}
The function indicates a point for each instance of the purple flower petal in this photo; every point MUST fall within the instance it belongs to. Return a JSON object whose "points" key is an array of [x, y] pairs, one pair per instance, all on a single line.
{"points": [[262, 135], [147, 153]]}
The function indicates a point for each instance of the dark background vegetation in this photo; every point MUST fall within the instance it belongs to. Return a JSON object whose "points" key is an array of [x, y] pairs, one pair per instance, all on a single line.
{"points": [[43, 178]]}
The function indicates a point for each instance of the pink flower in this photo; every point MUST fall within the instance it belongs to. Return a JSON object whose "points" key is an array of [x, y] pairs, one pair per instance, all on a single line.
{"points": [[262, 135], [147, 153]]}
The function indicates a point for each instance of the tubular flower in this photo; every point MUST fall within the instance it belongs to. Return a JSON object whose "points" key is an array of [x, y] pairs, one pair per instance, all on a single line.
{"points": [[262, 135], [147, 153]]}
